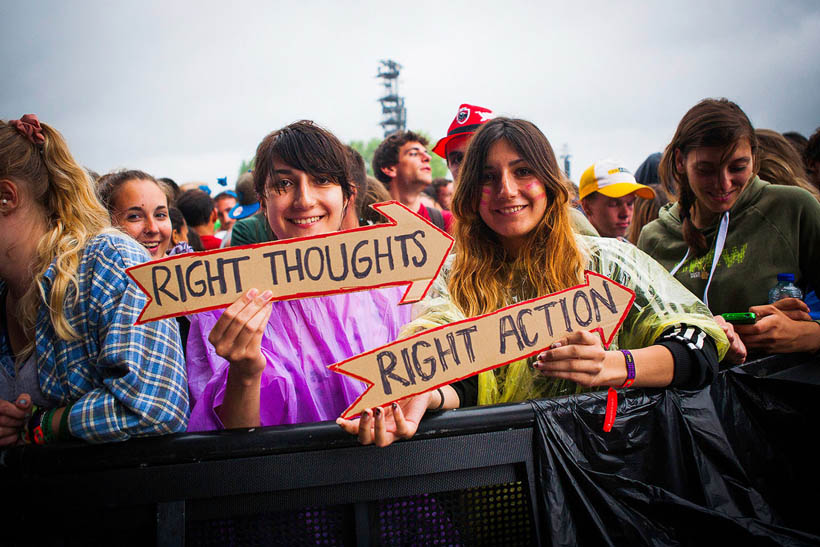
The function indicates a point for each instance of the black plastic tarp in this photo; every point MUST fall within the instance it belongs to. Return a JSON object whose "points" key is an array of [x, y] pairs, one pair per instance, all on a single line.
{"points": [[733, 463]]}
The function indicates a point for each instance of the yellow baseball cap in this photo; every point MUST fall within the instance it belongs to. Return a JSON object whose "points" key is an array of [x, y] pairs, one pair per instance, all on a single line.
{"points": [[613, 180]]}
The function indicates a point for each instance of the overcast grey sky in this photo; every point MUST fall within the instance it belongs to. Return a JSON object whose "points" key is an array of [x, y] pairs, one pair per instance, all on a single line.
{"points": [[188, 89]]}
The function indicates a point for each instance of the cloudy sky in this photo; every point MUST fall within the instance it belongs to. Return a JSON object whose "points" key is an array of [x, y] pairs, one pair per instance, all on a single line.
{"points": [[188, 89]]}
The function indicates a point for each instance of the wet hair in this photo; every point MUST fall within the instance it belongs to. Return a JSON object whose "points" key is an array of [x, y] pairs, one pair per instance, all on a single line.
{"points": [[645, 211], [196, 206], [305, 146], [483, 268], [110, 184], [780, 163], [710, 123], [387, 154], [62, 190]]}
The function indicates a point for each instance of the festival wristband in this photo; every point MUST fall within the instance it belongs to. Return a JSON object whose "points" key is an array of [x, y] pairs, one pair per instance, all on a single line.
{"points": [[630, 368], [612, 393], [35, 429], [611, 409]]}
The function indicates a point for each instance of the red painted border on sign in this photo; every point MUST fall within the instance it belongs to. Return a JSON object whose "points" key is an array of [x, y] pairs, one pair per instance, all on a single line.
{"points": [[336, 367], [377, 206]]}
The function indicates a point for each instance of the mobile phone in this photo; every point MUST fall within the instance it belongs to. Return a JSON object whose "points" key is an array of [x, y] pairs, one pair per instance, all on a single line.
{"points": [[747, 318]]}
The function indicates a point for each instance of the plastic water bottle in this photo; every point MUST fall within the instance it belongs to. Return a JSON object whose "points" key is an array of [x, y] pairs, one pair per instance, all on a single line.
{"points": [[785, 288]]}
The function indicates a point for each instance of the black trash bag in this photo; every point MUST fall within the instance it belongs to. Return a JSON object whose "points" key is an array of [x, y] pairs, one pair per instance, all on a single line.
{"points": [[770, 415], [665, 475]]}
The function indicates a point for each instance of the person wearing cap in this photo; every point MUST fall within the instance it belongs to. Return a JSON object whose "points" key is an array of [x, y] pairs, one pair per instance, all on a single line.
{"points": [[453, 146], [250, 225], [402, 164], [608, 192], [224, 202]]}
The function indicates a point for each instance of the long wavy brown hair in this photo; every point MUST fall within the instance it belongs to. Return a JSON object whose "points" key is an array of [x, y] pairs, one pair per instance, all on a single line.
{"points": [[711, 122], [485, 273]]}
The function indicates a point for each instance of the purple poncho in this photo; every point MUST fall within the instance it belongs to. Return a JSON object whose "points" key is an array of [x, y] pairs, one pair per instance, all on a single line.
{"points": [[301, 339]]}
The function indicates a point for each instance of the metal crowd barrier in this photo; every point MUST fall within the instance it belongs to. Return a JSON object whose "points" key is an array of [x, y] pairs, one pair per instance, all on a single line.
{"points": [[467, 478]]}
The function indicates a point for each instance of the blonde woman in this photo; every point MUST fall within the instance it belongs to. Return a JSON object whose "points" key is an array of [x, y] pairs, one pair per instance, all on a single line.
{"points": [[72, 363], [515, 242]]}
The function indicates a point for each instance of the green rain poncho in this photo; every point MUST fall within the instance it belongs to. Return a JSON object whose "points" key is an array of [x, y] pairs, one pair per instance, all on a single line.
{"points": [[661, 302]]}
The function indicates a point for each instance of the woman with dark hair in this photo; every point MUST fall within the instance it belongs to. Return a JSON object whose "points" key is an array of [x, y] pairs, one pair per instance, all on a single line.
{"points": [[730, 234], [68, 342], [514, 242], [265, 363]]}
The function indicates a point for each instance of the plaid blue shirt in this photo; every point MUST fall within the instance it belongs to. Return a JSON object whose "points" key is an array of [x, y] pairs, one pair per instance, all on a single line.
{"points": [[124, 380]]}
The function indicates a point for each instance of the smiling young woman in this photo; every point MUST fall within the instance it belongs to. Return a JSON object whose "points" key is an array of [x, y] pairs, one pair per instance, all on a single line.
{"points": [[515, 242], [265, 363], [730, 233], [138, 205]]}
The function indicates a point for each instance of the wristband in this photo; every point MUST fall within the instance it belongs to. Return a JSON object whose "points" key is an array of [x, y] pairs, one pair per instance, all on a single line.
{"points": [[441, 400], [63, 432], [45, 424], [35, 429], [630, 368]]}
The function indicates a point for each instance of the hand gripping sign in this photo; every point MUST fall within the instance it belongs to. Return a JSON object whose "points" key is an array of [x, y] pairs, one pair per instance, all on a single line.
{"points": [[407, 250], [440, 356]]}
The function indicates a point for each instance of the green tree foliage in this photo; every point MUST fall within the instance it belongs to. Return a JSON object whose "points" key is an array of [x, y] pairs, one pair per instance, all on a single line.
{"points": [[367, 150], [246, 166]]}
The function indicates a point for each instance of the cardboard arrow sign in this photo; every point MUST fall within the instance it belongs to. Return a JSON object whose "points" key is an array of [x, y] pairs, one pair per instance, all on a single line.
{"points": [[448, 353], [407, 250]]}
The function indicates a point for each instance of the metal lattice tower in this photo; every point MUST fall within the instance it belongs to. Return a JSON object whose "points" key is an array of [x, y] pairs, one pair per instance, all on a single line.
{"points": [[565, 155], [394, 115]]}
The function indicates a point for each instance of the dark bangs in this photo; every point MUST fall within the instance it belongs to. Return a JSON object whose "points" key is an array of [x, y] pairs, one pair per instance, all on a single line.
{"points": [[305, 146]]}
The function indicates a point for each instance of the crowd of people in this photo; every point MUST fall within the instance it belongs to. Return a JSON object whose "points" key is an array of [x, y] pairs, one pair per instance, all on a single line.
{"points": [[700, 230]]}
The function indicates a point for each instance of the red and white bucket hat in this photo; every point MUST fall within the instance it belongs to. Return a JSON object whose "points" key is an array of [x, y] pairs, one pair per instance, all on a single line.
{"points": [[467, 121]]}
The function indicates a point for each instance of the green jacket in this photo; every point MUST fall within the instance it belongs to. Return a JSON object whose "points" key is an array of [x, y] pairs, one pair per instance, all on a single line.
{"points": [[254, 229], [772, 229]]}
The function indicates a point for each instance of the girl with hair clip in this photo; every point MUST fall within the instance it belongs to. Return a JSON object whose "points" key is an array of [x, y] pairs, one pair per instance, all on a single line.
{"points": [[72, 362], [514, 242], [265, 363], [730, 233]]}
